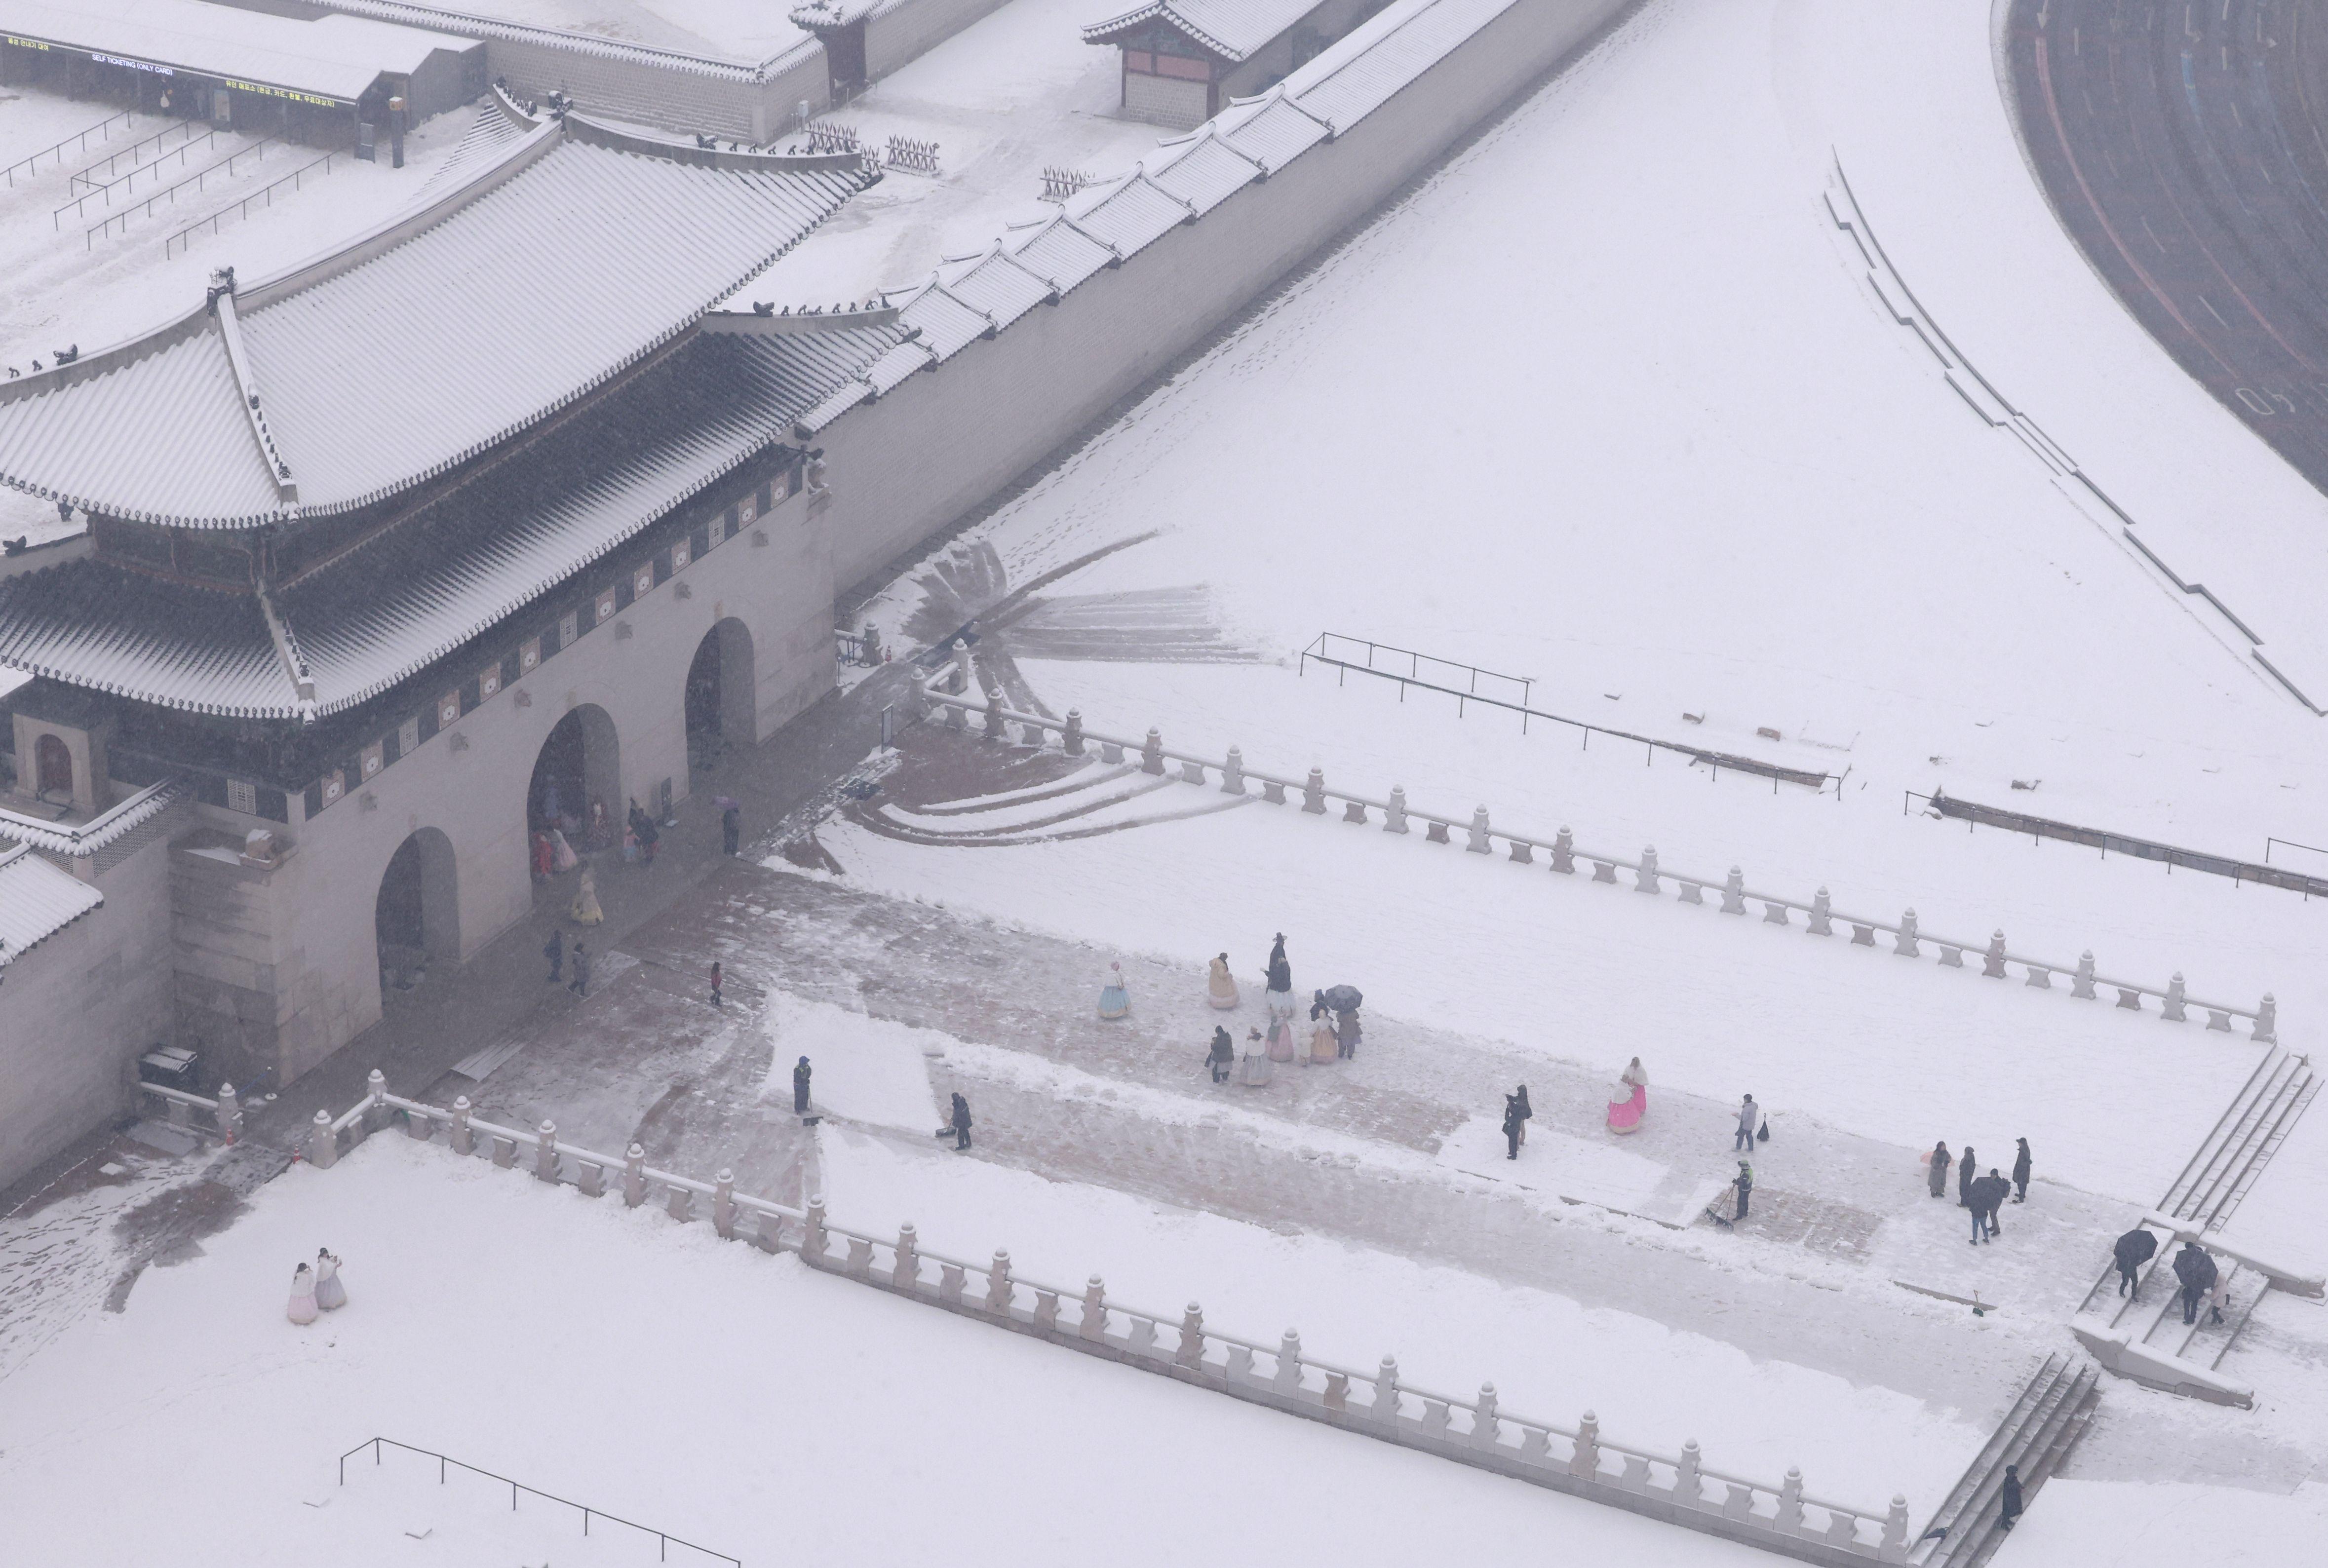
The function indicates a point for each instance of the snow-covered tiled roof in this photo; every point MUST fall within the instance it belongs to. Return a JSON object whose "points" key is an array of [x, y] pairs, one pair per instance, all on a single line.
{"points": [[386, 611], [1104, 224], [332, 56], [37, 900], [1236, 29], [565, 255], [471, 25]]}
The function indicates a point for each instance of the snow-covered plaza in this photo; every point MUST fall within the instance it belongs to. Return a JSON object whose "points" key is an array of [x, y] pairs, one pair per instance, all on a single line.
{"points": [[1884, 602]]}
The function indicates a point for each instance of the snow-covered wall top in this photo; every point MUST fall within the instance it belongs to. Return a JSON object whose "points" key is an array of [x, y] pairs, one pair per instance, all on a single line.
{"points": [[1099, 228]]}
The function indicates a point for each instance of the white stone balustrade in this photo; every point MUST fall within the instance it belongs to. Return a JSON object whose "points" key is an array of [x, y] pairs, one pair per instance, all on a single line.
{"points": [[1908, 939], [1583, 1461]]}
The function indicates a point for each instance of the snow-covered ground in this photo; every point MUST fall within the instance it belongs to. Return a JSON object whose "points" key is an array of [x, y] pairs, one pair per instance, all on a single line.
{"points": [[695, 1386], [1017, 91], [60, 287], [745, 31]]}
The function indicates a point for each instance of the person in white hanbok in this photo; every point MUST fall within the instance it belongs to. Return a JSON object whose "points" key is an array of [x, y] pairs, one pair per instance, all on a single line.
{"points": [[303, 1296], [330, 1294], [1253, 1067]]}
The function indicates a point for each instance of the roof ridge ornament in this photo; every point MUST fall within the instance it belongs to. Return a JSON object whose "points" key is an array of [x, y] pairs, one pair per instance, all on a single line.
{"points": [[238, 359]]}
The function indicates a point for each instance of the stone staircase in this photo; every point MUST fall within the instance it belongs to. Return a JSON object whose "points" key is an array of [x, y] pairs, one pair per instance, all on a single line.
{"points": [[2139, 1335], [2045, 1422], [1099, 798]]}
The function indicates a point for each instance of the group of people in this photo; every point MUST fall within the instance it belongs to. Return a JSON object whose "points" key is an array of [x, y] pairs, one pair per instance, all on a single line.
{"points": [[1335, 1031], [1983, 1195], [315, 1288], [957, 1123], [2197, 1277]]}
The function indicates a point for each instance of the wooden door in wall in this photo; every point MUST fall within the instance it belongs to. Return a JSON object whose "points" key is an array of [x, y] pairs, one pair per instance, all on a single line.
{"points": [[52, 769]]}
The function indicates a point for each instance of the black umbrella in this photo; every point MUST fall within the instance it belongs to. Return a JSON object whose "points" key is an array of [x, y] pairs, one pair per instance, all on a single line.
{"points": [[1343, 999]]}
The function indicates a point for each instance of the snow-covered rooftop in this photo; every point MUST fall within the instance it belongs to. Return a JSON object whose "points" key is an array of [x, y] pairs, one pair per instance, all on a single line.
{"points": [[334, 56], [555, 258], [390, 609], [37, 900], [1236, 29]]}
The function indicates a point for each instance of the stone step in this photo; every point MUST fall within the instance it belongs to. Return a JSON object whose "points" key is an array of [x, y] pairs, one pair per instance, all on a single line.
{"points": [[1993, 1456], [2034, 1446]]}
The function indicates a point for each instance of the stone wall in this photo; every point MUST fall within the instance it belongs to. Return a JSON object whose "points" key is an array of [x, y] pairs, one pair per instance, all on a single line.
{"points": [[910, 464], [896, 34], [77, 1010]]}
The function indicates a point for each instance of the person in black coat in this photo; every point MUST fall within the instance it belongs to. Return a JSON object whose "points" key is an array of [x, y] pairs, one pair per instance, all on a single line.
{"points": [[1966, 1173], [1222, 1056], [800, 1088], [2021, 1171], [2196, 1271], [554, 950], [1519, 1102], [961, 1122], [2132, 1250], [2008, 1501], [1745, 1186], [731, 829], [1513, 1122], [1988, 1195]]}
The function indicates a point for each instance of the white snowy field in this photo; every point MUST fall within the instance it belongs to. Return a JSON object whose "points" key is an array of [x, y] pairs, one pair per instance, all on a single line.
{"points": [[698, 1388], [1614, 395]]}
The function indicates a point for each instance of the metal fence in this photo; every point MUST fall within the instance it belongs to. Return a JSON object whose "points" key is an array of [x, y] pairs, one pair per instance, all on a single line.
{"points": [[664, 1539], [79, 142], [264, 195], [1348, 656], [2107, 842]]}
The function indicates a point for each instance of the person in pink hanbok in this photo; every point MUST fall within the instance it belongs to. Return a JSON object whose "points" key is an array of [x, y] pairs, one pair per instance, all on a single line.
{"points": [[1630, 1100], [303, 1296]]}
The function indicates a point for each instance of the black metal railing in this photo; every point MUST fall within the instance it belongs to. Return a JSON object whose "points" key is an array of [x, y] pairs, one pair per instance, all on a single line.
{"points": [[1359, 656], [664, 1539], [1972, 813]]}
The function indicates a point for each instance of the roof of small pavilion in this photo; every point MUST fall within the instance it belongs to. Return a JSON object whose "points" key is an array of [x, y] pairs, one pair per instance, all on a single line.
{"points": [[1236, 29], [551, 257], [391, 607]]}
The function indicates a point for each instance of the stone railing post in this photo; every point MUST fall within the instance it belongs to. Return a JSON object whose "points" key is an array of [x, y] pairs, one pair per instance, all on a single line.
{"points": [[1733, 893], [998, 1283], [1822, 915], [1093, 1326], [1563, 852], [994, 726], [1394, 819], [1289, 1364], [1385, 1407], [1992, 962], [1233, 773], [1485, 1428], [323, 1143], [1894, 1544], [376, 1113], [464, 1137], [1071, 737], [1585, 1462], [908, 1271], [1904, 944], [812, 1230], [1313, 792], [1644, 880], [2173, 1012], [1192, 1336], [634, 1176], [2081, 984], [1791, 1500], [2267, 1021], [1478, 844], [545, 1153], [1151, 754], [229, 1114], [1689, 1491], [723, 1204]]}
